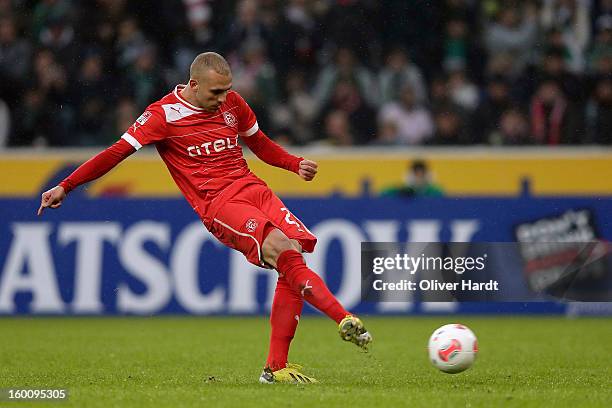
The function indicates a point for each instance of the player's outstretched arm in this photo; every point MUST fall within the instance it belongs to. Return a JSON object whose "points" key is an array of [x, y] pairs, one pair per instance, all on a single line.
{"points": [[93, 168], [273, 154]]}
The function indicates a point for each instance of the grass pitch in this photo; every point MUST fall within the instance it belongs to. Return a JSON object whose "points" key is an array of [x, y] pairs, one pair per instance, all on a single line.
{"points": [[197, 361]]}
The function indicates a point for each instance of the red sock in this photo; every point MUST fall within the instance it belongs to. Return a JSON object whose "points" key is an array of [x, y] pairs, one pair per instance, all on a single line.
{"points": [[291, 265], [286, 311]]}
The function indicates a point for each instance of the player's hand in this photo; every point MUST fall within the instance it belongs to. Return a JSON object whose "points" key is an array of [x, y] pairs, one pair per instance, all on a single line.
{"points": [[308, 169], [52, 198]]}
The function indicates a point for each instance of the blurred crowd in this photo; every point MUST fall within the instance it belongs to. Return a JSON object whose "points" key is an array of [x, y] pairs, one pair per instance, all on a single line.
{"points": [[331, 72]]}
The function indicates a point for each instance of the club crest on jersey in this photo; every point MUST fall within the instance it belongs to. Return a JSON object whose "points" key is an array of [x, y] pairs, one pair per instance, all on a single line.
{"points": [[230, 120], [251, 225]]}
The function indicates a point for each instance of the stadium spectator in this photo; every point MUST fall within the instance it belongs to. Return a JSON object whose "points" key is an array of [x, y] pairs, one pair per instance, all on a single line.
{"points": [[47, 11], [45, 117], [486, 118], [418, 183], [246, 28], [416, 27], [350, 24], [599, 112], [599, 56], [439, 93], [513, 33], [387, 134], [130, 43], [571, 20], [414, 122], [298, 112], [199, 14], [463, 92], [337, 131], [97, 28], [601, 14], [450, 128], [144, 79], [15, 62], [397, 71], [513, 129], [91, 99], [461, 50], [347, 98], [300, 34], [445, 52], [58, 36], [554, 120], [554, 67], [345, 69], [15, 54], [502, 65]]}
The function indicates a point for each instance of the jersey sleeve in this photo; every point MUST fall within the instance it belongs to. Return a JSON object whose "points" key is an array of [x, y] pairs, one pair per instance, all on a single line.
{"points": [[149, 128], [247, 122]]}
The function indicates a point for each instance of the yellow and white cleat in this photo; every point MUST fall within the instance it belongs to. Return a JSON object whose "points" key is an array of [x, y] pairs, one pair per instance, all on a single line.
{"points": [[351, 329], [289, 375]]}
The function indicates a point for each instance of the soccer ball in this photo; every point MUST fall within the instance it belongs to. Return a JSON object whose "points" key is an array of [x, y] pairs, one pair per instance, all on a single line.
{"points": [[453, 348]]}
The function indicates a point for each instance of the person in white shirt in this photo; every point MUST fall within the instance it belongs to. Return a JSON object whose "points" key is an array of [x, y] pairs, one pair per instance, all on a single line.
{"points": [[414, 122]]}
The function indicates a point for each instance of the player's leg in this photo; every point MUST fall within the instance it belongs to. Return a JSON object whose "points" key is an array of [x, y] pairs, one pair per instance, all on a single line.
{"points": [[243, 227], [350, 327], [278, 251], [284, 318]]}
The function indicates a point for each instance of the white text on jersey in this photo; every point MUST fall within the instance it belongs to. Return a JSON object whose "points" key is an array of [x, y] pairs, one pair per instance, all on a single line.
{"points": [[218, 145]]}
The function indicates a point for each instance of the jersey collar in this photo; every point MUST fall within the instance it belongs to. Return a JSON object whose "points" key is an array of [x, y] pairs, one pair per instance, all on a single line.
{"points": [[176, 91]]}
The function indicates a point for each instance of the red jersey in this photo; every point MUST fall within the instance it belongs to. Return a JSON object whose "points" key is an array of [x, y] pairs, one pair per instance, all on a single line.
{"points": [[200, 148]]}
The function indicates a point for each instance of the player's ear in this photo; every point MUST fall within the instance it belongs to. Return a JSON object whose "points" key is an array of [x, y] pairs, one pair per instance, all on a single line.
{"points": [[193, 84]]}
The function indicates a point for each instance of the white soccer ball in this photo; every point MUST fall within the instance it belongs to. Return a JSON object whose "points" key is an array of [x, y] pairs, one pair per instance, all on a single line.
{"points": [[453, 348]]}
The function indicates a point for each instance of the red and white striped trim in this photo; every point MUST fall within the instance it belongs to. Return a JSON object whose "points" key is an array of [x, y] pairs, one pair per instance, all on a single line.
{"points": [[131, 140], [251, 131]]}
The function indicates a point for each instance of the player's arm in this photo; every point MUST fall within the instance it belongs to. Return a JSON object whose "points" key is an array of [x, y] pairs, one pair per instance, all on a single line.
{"points": [[273, 154], [149, 128], [95, 167]]}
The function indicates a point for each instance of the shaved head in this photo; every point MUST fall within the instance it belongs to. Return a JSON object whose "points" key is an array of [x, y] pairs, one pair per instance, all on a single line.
{"points": [[207, 61], [210, 80]]}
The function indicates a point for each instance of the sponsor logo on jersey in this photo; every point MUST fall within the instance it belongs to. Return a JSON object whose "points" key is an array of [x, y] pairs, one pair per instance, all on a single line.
{"points": [[230, 120], [251, 225], [176, 111], [216, 146]]}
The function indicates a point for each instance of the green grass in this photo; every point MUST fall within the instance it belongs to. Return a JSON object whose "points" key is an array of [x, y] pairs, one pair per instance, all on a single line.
{"points": [[143, 362]]}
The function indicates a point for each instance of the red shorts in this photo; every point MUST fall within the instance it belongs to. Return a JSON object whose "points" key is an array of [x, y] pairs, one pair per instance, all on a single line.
{"points": [[244, 220]]}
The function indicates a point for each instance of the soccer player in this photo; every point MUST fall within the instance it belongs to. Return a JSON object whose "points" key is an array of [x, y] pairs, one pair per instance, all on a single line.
{"points": [[195, 129]]}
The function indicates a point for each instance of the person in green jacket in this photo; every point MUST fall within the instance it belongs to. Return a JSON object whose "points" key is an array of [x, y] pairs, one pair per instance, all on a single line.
{"points": [[418, 183]]}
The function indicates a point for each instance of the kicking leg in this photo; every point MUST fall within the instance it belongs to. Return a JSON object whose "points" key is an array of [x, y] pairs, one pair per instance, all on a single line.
{"points": [[278, 252]]}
